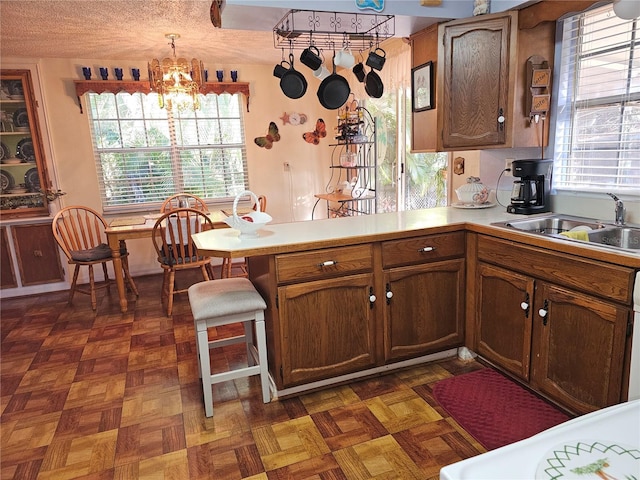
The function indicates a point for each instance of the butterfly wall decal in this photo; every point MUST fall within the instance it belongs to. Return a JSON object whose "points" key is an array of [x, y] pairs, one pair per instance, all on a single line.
{"points": [[315, 136], [269, 138]]}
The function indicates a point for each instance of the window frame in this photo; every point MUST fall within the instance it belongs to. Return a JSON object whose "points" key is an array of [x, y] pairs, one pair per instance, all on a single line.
{"points": [[568, 118], [195, 147]]}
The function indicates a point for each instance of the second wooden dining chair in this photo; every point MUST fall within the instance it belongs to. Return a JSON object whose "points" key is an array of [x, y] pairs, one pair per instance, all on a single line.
{"points": [[183, 200], [171, 237]]}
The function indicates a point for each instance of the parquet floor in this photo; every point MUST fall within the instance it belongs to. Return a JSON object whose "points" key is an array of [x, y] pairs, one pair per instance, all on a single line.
{"points": [[107, 395]]}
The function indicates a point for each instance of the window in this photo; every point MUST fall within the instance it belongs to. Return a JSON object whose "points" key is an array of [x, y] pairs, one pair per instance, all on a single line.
{"points": [[406, 180], [597, 146], [144, 154]]}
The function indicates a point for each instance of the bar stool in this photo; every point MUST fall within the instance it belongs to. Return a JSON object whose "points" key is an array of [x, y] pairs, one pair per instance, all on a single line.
{"points": [[220, 302]]}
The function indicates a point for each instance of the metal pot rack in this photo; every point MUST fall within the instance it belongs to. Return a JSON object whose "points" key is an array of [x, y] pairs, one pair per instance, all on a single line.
{"points": [[299, 29]]}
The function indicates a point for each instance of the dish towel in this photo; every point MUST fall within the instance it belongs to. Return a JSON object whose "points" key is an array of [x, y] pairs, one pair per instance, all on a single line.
{"points": [[577, 235]]}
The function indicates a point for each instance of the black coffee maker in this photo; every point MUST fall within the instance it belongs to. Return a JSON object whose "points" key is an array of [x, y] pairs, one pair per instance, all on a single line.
{"points": [[530, 193]]}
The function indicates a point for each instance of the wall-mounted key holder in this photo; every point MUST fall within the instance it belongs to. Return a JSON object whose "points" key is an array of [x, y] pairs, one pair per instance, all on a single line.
{"points": [[538, 100]]}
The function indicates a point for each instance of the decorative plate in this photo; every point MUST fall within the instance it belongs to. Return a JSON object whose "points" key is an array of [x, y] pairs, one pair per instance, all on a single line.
{"points": [[473, 205], [21, 118], [590, 459], [5, 153], [25, 151], [32, 180], [6, 181], [15, 88]]}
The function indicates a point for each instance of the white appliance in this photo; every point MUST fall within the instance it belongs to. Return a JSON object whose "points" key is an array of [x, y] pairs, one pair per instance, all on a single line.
{"points": [[610, 433]]}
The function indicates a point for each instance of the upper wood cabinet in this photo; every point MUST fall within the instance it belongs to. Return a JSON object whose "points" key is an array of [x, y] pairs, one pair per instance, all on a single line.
{"points": [[481, 84], [475, 80], [24, 176]]}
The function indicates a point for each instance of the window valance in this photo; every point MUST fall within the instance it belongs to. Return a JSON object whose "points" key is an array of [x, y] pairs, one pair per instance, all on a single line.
{"points": [[117, 86]]}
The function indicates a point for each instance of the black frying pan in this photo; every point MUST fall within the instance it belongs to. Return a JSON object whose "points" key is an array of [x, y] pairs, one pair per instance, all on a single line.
{"points": [[292, 82], [373, 84], [333, 91]]}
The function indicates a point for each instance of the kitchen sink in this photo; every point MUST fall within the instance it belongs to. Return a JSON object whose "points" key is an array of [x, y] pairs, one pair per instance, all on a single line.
{"points": [[621, 237], [625, 237], [552, 224]]}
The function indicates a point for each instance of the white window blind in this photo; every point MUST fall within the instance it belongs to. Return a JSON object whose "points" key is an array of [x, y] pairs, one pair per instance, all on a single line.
{"points": [[144, 154], [598, 121]]}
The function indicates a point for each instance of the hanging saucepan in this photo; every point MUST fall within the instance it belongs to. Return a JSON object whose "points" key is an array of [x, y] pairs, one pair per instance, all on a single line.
{"points": [[292, 82], [334, 90], [373, 84]]}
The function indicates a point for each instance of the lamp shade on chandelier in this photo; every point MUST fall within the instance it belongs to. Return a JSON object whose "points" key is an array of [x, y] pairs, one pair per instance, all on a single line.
{"points": [[176, 80]]}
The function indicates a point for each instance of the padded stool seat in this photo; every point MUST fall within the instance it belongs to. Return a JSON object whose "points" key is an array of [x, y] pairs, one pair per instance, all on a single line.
{"points": [[221, 302]]}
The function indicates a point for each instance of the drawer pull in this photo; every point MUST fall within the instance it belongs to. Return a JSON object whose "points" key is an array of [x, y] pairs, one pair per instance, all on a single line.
{"points": [[426, 249], [328, 263]]}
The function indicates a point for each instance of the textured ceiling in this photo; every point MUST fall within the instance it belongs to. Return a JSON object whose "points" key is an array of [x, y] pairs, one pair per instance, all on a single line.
{"points": [[129, 30]]}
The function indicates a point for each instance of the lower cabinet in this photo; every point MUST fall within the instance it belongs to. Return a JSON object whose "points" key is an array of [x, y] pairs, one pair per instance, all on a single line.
{"points": [[578, 346], [503, 318], [341, 310], [36, 254], [553, 328], [327, 328], [425, 311]]}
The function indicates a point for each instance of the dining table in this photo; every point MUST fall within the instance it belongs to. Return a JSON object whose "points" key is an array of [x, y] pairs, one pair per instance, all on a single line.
{"points": [[122, 229]]}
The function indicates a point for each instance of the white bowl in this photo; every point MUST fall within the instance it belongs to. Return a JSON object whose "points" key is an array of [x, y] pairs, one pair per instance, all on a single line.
{"points": [[251, 222]]}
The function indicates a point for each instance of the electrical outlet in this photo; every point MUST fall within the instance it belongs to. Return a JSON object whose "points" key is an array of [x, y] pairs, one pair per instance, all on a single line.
{"points": [[287, 166], [508, 166]]}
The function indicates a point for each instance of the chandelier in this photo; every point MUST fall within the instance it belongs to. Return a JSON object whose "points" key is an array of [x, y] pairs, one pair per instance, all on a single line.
{"points": [[176, 81]]}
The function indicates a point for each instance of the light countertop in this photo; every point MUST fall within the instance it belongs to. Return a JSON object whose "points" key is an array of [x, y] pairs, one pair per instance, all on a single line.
{"points": [[277, 238], [274, 238]]}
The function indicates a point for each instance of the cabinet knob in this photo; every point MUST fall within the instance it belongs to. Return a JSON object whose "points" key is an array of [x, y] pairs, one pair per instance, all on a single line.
{"points": [[542, 312], [524, 306], [372, 298], [426, 249], [389, 294]]}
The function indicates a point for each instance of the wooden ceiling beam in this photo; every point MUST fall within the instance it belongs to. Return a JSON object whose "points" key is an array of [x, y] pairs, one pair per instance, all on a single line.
{"points": [[550, 11]]}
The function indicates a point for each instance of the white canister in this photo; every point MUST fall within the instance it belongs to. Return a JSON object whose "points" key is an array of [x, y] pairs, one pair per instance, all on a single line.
{"points": [[473, 192]]}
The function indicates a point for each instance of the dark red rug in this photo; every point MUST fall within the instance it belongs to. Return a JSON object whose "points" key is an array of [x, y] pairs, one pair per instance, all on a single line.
{"points": [[495, 410]]}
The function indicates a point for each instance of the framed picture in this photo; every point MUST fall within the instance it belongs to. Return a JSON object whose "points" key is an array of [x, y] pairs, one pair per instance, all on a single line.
{"points": [[422, 87]]}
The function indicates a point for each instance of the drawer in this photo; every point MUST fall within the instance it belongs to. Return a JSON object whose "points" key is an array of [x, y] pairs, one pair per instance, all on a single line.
{"points": [[427, 248], [608, 281], [325, 263]]}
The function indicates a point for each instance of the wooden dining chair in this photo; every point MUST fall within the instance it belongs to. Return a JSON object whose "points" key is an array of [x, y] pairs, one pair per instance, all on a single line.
{"points": [[241, 268], [183, 200], [79, 232], [171, 237]]}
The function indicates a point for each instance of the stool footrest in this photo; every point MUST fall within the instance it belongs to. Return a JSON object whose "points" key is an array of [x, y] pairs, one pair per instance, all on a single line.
{"points": [[223, 342], [233, 374]]}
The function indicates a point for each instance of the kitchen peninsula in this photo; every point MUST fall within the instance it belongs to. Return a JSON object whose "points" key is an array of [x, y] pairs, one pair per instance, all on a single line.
{"points": [[349, 297]]}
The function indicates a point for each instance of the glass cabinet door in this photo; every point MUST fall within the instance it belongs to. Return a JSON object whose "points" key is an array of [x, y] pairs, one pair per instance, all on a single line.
{"points": [[23, 174]]}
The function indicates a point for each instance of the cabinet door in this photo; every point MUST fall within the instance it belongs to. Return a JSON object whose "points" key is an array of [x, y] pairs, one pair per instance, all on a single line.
{"points": [[327, 328], [24, 171], [579, 346], [475, 87], [425, 312], [7, 274], [37, 253], [503, 318]]}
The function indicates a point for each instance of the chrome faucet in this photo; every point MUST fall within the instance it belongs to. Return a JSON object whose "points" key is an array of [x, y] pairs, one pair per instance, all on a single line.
{"points": [[619, 209]]}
